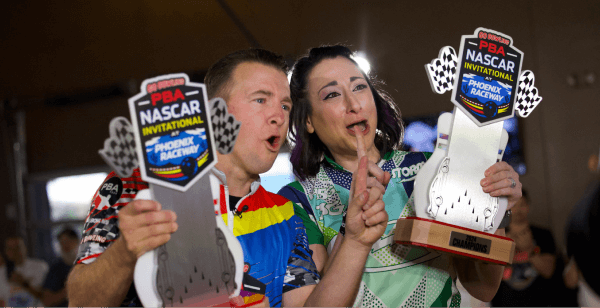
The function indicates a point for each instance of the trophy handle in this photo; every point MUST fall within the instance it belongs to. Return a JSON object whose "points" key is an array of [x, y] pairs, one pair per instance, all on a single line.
{"points": [[235, 255], [146, 269], [502, 201], [428, 172]]}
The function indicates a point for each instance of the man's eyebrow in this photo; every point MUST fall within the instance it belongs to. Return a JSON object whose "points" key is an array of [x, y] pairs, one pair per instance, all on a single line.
{"points": [[287, 99], [355, 77], [263, 92], [333, 83]]}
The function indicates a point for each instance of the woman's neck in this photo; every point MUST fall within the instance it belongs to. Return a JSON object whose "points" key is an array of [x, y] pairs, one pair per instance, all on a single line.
{"points": [[350, 161]]}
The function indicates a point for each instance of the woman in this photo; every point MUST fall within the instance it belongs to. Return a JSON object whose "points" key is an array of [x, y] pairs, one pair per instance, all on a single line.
{"points": [[337, 106]]}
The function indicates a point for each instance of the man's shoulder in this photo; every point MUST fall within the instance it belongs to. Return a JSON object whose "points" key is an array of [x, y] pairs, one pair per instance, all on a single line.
{"points": [[282, 202]]}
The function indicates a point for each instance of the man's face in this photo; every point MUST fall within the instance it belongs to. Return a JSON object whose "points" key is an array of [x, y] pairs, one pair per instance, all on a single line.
{"points": [[67, 244], [14, 249], [520, 211], [259, 97]]}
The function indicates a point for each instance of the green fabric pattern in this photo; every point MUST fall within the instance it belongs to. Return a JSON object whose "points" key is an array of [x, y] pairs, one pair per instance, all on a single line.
{"points": [[395, 275]]}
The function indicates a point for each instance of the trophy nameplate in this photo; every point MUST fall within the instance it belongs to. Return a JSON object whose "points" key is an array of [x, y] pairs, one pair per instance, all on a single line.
{"points": [[487, 87], [173, 139]]}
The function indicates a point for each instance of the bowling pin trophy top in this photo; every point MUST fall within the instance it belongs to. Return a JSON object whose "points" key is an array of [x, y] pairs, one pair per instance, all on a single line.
{"points": [[173, 138], [453, 214]]}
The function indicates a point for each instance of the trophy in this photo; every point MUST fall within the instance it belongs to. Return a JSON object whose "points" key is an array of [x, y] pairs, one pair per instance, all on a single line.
{"points": [[173, 139], [453, 214]]}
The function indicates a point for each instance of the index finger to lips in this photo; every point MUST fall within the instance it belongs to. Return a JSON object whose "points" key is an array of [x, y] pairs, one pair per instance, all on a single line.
{"points": [[360, 142], [361, 176]]}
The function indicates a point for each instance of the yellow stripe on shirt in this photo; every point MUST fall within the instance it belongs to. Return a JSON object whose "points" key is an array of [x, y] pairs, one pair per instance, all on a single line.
{"points": [[260, 219]]}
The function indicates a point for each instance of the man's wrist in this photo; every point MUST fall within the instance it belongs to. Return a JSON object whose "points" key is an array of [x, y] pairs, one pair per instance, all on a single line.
{"points": [[127, 257]]}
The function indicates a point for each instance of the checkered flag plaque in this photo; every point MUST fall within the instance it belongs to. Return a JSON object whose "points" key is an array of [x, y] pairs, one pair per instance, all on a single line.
{"points": [[442, 70], [527, 94], [225, 126], [119, 148]]}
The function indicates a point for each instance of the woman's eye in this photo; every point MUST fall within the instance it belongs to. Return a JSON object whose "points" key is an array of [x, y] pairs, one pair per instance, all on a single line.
{"points": [[331, 95], [360, 87]]}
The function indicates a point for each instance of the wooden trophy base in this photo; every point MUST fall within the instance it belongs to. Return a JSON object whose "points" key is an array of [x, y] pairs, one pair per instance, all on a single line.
{"points": [[455, 240]]}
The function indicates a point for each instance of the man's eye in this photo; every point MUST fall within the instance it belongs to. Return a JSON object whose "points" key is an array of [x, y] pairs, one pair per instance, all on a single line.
{"points": [[360, 87], [331, 95], [286, 107], [260, 100]]}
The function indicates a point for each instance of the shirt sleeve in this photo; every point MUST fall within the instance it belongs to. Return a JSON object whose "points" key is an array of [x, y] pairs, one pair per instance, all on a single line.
{"points": [[301, 269], [101, 226], [302, 209]]}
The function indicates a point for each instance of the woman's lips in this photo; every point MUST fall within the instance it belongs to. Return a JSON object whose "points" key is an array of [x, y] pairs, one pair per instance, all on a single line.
{"points": [[363, 126]]}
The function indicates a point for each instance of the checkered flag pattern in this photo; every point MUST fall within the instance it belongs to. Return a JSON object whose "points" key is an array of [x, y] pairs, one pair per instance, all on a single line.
{"points": [[106, 229], [442, 70], [527, 95], [225, 126], [119, 148]]}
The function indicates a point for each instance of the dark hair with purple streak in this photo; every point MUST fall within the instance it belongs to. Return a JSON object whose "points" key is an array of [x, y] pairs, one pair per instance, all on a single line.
{"points": [[308, 150]]}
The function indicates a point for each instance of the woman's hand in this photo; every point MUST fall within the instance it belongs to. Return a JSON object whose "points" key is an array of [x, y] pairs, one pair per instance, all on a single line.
{"points": [[376, 176], [366, 217], [502, 180]]}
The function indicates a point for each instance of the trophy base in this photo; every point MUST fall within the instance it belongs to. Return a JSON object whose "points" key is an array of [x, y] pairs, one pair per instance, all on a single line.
{"points": [[455, 240]]}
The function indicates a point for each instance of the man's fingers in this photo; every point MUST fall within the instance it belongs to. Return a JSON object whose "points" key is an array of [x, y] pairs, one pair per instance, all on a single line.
{"points": [[140, 206], [361, 149], [157, 217], [150, 243]]}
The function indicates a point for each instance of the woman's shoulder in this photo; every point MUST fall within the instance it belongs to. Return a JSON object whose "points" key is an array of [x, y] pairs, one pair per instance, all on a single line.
{"points": [[400, 155]]}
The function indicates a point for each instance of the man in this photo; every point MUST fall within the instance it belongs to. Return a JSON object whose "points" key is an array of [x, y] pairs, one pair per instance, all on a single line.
{"points": [[528, 280], [255, 86], [27, 276], [53, 292], [4, 285]]}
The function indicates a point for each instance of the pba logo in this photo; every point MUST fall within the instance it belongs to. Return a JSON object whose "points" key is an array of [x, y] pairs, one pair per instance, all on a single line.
{"points": [[108, 194], [172, 128], [487, 77]]}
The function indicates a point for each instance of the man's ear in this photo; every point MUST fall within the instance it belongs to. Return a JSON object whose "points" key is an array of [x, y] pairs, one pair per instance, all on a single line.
{"points": [[309, 126]]}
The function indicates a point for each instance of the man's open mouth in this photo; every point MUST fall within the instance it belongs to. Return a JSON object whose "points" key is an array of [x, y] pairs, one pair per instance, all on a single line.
{"points": [[274, 141]]}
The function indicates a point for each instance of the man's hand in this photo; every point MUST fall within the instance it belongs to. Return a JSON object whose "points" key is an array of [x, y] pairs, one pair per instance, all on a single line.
{"points": [[238, 301], [497, 182], [366, 218], [145, 226]]}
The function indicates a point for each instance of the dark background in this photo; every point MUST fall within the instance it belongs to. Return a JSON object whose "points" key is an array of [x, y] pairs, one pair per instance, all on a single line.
{"points": [[68, 67]]}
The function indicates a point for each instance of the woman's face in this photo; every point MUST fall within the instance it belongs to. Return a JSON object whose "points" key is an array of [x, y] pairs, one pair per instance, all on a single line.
{"points": [[341, 99]]}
